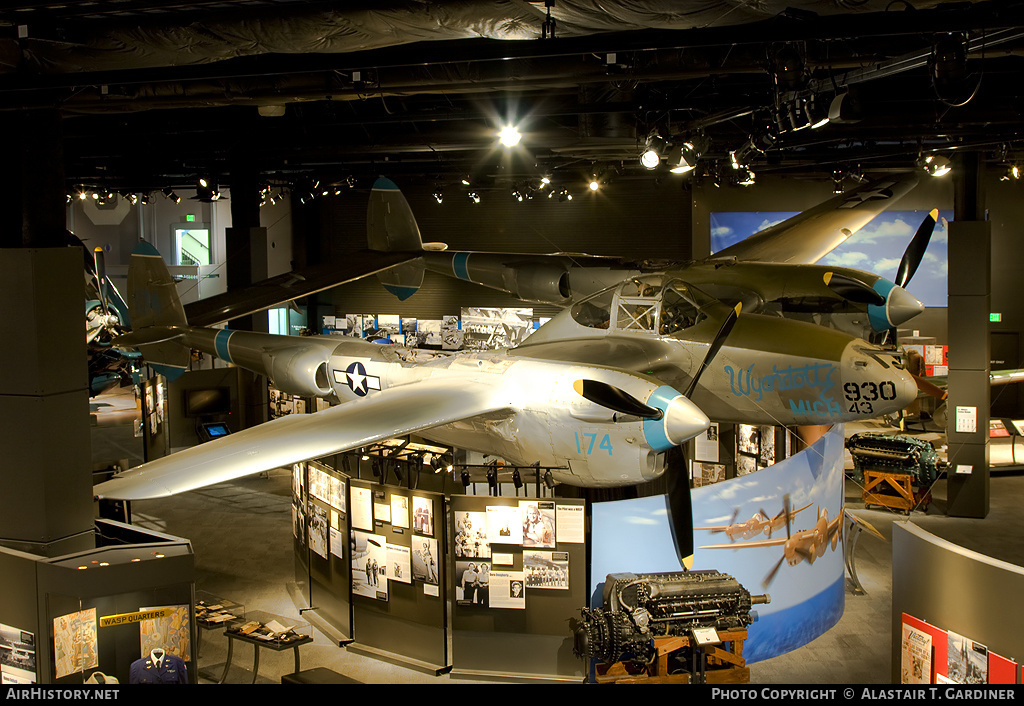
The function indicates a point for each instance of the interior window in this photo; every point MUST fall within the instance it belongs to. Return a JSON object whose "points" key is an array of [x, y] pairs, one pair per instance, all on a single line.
{"points": [[595, 311], [680, 309]]}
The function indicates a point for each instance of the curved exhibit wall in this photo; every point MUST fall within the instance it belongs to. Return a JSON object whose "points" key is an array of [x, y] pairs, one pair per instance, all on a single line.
{"points": [[955, 589], [807, 598]]}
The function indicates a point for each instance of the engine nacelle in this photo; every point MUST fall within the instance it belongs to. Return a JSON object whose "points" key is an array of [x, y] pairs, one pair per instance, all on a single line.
{"points": [[538, 282], [299, 371]]}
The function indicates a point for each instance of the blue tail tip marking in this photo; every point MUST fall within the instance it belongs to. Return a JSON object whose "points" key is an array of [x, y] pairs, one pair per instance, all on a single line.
{"points": [[145, 248], [384, 184]]}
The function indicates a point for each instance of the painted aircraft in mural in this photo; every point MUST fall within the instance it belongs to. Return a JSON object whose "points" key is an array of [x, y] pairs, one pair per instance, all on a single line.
{"points": [[770, 272], [759, 523], [797, 546]]}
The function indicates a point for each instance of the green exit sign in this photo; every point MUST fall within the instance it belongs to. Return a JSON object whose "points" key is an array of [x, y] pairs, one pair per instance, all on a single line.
{"points": [[191, 218], [995, 316]]}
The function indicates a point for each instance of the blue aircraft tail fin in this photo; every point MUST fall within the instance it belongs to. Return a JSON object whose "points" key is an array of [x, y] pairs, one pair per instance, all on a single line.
{"points": [[391, 227], [153, 302]]}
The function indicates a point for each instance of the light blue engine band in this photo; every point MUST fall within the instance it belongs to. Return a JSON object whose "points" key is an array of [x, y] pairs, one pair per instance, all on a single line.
{"points": [[878, 314], [654, 429], [460, 265], [220, 344]]}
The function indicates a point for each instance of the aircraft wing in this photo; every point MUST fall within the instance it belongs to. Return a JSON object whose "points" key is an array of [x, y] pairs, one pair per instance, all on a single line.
{"points": [[809, 236], [279, 290], [279, 443], [747, 545]]}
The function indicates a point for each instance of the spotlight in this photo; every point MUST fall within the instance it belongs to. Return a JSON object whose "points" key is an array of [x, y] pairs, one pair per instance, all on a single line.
{"points": [[473, 196], [817, 115], [685, 159], [169, 193], [549, 480], [517, 480], [439, 197], [509, 136], [935, 165], [465, 478], [492, 478], [517, 195], [594, 185], [1012, 173], [654, 150]]}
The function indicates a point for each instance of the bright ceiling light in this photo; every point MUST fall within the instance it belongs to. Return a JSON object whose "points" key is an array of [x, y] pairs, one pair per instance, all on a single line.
{"points": [[650, 159], [509, 136], [935, 165], [594, 185]]}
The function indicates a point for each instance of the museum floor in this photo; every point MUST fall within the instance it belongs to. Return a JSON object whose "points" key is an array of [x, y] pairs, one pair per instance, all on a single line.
{"points": [[241, 536]]}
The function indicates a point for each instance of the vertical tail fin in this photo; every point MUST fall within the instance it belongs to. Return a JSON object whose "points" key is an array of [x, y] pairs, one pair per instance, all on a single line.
{"points": [[391, 227], [153, 301]]}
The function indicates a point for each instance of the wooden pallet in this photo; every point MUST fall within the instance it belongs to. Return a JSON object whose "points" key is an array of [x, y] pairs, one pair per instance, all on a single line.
{"points": [[895, 490], [724, 663]]}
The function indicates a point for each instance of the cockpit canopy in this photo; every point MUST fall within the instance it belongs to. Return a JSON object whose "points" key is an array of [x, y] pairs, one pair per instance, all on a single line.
{"points": [[653, 304]]}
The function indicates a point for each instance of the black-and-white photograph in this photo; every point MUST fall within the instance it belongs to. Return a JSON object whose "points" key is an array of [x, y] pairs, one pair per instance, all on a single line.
{"points": [[748, 439], [17, 656], [472, 583], [318, 529], [422, 515], [967, 660], [490, 328], [471, 535], [369, 565], [538, 523], [425, 560], [546, 569]]}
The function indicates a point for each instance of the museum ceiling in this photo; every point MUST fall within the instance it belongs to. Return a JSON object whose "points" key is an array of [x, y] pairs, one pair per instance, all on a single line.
{"points": [[156, 92]]}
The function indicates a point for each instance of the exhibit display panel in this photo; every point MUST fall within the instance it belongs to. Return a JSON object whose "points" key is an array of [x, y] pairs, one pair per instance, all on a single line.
{"points": [[953, 606], [519, 576], [326, 533], [397, 574]]}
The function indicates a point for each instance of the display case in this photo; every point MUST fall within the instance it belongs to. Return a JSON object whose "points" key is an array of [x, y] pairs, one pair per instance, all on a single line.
{"points": [[214, 612], [270, 629]]}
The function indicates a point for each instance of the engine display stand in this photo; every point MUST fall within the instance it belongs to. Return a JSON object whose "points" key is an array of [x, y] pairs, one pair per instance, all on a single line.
{"points": [[895, 490], [709, 664]]}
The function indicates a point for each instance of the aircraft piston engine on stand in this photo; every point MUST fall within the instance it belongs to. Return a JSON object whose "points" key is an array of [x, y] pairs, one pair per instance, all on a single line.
{"points": [[639, 607]]}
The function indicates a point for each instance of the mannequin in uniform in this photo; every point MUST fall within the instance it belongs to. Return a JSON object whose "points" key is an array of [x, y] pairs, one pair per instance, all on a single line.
{"points": [[159, 667]]}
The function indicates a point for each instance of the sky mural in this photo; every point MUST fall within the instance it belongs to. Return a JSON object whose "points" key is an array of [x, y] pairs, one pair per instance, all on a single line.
{"points": [[877, 247], [633, 536]]}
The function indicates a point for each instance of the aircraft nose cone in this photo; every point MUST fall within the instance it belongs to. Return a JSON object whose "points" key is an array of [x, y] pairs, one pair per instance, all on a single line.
{"points": [[902, 306], [683, 420]]}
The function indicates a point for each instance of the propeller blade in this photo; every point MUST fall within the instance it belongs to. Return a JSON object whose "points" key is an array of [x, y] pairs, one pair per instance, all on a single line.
{"points": [[101, 278], [852, 289], [929, 388], [680, 509], [615, 399], [716, 345], [771, 574], [785, 508], [915, 250]]}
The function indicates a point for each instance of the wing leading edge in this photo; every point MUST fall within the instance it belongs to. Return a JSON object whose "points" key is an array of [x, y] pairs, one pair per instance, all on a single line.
{"points": [[809, 236], [282, 442]]}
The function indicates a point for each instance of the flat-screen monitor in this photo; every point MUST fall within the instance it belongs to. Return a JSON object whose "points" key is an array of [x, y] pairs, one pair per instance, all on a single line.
{"points": [[207, 401], [214, 430]]}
